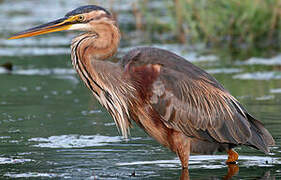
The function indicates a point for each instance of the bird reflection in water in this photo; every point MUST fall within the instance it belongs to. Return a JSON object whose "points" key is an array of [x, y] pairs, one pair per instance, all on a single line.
{"points": [[233, 169], [232, 173]]}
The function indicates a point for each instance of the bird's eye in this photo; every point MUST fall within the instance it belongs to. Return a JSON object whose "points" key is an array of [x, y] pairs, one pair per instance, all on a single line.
{"points": [[80, 18]]}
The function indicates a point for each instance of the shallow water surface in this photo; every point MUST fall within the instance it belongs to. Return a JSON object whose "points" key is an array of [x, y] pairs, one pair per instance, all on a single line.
{"points": [[51, 127]]}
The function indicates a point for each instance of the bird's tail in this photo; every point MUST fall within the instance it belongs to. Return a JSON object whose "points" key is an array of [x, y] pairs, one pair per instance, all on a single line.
{"points": [[261, 138]]}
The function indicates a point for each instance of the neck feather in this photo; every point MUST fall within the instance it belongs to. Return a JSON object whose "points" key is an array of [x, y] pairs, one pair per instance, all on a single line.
{"points": [[103, 78], [100, 44]]}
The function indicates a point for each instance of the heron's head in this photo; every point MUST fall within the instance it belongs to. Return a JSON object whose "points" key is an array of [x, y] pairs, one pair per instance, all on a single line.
{"points": [[83, 18]]}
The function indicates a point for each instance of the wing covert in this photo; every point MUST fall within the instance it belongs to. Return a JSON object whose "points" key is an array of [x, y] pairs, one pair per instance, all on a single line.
{"points": [[198, 109], [187, 98]]}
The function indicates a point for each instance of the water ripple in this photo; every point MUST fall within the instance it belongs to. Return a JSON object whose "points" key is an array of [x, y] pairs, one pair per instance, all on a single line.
{"points": [[43, 71], [34, 174], [74, 141], [275, 90], [265, 97], [13, 160], [267, 75], [224, 71], [198, 161], [33, 51], [264, 61]]}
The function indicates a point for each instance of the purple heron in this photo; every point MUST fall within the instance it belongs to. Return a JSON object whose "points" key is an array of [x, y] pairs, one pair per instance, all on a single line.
{"points": [[177, 103]]}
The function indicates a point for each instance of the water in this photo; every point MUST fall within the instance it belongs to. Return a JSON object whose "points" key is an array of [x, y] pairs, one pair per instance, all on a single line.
{"points": [[51, 127]]}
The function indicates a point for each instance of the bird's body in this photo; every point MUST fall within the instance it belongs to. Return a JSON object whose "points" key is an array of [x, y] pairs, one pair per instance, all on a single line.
{"points": [[177, 103]]}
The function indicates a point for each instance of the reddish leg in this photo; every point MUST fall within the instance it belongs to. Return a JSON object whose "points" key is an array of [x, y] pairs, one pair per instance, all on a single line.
{"points": [[180, 144], [232, 156], [184, 152]]}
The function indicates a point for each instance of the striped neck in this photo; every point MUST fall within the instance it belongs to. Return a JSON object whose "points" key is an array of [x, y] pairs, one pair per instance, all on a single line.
{"points": [[103, 78], [100, 44]]}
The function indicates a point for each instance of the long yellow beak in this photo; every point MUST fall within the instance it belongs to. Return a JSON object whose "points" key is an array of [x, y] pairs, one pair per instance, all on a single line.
{"points": [[57, 25]]}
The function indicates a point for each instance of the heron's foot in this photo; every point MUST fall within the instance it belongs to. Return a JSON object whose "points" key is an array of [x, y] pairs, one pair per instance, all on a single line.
{"points": [[232, 157]]}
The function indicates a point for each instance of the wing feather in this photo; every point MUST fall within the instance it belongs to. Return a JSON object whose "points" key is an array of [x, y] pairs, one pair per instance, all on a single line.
{"points": [[204, 111], [191, 101]]}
